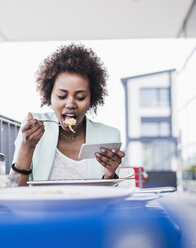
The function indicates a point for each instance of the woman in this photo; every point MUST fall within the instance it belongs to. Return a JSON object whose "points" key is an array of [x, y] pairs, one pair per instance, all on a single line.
{"points": [[72, 81]]}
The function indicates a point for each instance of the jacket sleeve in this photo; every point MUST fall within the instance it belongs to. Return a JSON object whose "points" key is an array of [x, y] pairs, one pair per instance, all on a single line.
{"points": [[17, 143]]}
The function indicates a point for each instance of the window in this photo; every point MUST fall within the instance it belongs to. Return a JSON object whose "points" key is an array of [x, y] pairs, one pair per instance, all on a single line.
{"points": [[159, 155], [153, 127], [154, 97]]}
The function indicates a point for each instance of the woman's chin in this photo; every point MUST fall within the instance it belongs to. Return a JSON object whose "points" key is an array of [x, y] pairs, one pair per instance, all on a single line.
{"points": [[66, 129]]}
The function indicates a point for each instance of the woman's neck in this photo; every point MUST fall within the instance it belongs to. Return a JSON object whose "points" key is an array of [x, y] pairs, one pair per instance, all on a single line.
{"points": [[70, 136]]}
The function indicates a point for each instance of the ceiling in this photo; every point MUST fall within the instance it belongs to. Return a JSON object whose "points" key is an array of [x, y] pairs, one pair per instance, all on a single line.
{"points": [[43, 20]]}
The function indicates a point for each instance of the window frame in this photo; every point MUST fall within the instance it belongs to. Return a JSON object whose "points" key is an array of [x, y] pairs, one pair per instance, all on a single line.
{"points": [[158, 121], [158, 96]]}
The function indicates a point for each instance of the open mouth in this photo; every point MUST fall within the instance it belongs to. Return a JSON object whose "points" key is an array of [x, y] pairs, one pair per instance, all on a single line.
{"points": [[68, 116]]}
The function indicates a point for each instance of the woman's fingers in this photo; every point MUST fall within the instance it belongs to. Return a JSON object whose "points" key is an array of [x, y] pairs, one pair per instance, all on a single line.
{"points": [[109, 165], [110, 160], [31, 139], [32, 130], [118, 153], [29, 125], [107, 160], [38, 131], [108, 153], [103, 158], [115, 155], [102, 162], [30, 122]]}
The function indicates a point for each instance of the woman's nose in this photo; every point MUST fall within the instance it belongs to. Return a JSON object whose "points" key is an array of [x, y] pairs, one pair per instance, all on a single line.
{"points": [[70, 103]]}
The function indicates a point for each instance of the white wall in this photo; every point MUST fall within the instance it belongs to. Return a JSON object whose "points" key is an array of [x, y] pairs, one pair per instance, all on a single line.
{"points": [[187, 109]]}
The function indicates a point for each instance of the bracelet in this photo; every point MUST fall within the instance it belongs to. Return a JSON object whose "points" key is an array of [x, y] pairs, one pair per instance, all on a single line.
{"points": [[24, 172]]}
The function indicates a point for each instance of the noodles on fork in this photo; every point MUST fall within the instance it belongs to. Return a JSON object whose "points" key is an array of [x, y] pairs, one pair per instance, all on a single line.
{"points": [[69, 122]]}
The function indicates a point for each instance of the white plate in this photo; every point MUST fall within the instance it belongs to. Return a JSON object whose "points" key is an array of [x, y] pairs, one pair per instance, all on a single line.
{"points": [[68, 193], [100, 182], [157, 190]]}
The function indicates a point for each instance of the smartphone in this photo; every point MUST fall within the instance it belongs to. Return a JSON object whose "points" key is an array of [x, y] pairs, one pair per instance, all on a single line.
{"points": [[89, 150]]}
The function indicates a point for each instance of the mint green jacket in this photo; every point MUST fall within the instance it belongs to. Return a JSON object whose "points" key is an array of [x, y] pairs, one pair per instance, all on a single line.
{"points": [[44, 153]]}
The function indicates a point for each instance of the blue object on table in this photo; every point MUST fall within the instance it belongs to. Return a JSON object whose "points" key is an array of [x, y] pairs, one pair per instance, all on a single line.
{"points": [[128, 223]]}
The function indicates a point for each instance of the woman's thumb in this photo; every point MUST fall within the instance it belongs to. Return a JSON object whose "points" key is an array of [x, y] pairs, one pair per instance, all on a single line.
{"points": [[29, 116]]}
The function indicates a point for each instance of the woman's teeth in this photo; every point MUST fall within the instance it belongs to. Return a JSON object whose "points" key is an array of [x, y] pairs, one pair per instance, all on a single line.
{"points": [[68, 116]]}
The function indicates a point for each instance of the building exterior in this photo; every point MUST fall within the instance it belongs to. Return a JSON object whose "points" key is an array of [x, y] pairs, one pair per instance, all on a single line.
{"points": [[8, 131], [186, 103], [151, 130]]}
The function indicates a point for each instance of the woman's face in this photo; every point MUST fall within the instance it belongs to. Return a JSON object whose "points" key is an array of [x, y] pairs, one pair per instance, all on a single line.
{"points": [[70, 98]]}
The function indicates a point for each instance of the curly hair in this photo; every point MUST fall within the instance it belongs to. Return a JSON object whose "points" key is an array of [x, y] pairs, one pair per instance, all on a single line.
{"points": [[74, 59]]}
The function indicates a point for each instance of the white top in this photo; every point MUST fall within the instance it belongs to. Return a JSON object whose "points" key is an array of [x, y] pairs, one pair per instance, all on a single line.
{"points": [[67, 168]]}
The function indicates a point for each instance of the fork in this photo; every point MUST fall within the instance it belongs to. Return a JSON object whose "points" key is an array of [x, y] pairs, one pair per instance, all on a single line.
{"points": [[51, 121]]}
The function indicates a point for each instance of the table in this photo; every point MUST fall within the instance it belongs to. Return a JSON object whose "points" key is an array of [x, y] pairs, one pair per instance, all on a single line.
{"points": [[138, 221]]}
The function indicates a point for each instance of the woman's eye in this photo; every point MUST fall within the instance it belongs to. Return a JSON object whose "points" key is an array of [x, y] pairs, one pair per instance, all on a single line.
{"points": [[80, 98], [61, 97]]}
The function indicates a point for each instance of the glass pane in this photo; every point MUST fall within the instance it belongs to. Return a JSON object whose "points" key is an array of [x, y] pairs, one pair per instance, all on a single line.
{"points": [[148, 97], [164, 129], [150, 129], [159, 155], [164, 97]]}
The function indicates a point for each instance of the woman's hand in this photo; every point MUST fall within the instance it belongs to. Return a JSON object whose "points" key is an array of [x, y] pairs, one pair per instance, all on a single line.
{"points": [[32, 131], [110, 160]]}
